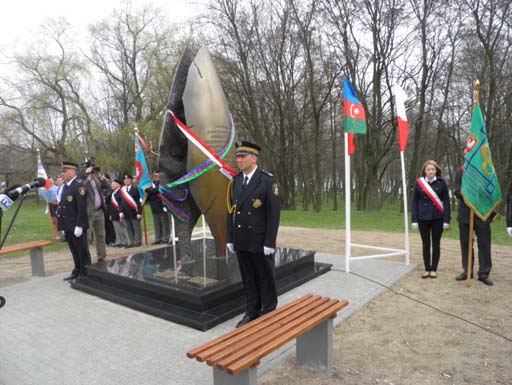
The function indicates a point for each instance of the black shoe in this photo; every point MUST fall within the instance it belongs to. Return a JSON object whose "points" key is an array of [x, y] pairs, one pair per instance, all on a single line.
{"points": [[155, 243], [70, 277], [128, 246], [463, 276], [101, 259], [137, 244], [247, 318], [487, 281]]}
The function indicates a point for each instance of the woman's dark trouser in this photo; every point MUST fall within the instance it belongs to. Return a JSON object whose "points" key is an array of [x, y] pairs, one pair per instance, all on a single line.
{"points": [[428, 228]]}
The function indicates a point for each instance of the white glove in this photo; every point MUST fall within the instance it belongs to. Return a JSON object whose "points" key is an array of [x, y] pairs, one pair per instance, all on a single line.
{"points": [[268, 250], [138, 217], [509, 231], [414, 226], [78, 231], [230, 247], [446, 226], [165, 209], [121, 215]]}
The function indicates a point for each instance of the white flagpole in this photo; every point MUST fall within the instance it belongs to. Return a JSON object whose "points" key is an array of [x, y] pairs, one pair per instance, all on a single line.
{"points": [[347, 206], [406, 215]]}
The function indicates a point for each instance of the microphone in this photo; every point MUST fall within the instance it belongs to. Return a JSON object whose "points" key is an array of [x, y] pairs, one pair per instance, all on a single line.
{"points": [[16, 192]]}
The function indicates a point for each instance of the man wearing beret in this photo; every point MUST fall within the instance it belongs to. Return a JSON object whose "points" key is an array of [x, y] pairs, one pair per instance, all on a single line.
{"points": [[131, 211], [252, 224], [72, 218]]}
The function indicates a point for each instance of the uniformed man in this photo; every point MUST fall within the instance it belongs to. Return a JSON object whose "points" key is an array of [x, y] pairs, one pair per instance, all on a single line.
{"points": [[72, 218], [131, 211], [483, 234], [253, 221]]}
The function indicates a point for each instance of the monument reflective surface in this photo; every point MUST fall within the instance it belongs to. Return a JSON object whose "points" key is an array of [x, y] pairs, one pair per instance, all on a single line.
{"points": [[199, 292]]}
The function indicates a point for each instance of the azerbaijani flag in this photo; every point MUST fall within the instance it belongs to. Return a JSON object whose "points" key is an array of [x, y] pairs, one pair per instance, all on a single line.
{"points": [[401, 117], [355, 116], [480, 187], [142, 177]]}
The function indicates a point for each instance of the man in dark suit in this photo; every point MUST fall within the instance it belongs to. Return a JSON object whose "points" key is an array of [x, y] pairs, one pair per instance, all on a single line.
{"points": [[72, 218], [483, 233], [252, 224], [159, 211], [131, 211]]}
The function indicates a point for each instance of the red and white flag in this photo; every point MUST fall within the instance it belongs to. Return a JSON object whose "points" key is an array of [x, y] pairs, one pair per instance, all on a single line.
{"points": [[403, 125]]}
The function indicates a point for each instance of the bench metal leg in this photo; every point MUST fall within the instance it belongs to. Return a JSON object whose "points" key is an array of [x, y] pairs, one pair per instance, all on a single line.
{"points": [[314, 348], [247, 377], [37, 262]]}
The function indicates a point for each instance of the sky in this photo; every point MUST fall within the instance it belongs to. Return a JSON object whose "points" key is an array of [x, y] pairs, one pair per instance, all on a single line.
{"points": [[21, 19]]}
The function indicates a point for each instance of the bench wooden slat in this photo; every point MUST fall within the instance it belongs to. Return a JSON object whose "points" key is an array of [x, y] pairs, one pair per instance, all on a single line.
{"points": [[24, 246], [202, 352], [250, 360], [273, 326], [252, 353]]}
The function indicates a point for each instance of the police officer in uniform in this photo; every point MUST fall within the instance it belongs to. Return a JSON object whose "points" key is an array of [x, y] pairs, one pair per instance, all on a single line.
{"points": [[483, 234], [254, 208], [72, 218]]}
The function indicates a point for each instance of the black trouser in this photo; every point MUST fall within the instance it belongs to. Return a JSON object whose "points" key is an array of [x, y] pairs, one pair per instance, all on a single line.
{"points": [[80, 252], [258, 276], [432, 228], [483, 234]]}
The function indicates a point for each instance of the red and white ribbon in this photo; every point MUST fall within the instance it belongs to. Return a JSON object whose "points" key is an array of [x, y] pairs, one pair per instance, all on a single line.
{"points": [[114, 201], [429, 191], [129, 199], [225, 169]]}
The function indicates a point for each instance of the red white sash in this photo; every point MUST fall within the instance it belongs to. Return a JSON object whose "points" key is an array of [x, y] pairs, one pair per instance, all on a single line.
{"points": [[114, 202], [429, 191], [129, 199]]}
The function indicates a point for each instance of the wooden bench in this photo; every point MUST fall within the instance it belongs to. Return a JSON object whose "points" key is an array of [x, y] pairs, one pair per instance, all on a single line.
{"points": [[236, 355], [36, 254]]}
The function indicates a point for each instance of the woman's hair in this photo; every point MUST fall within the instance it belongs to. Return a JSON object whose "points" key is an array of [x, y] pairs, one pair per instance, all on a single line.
{"points": [[428, 163]]}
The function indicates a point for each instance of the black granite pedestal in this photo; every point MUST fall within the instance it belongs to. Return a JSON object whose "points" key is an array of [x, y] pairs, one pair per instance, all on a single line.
{"points": [[200, 292]]}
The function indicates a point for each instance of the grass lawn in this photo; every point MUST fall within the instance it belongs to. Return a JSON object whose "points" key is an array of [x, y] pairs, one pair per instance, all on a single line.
{"points": [[32, 224]]}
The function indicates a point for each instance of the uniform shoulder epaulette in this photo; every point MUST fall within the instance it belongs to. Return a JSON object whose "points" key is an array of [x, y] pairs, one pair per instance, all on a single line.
{"points": [[267, 173]]}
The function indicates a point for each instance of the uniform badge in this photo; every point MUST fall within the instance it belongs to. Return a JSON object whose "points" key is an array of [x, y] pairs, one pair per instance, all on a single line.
{"points": [[70, 198], [257, 203], [275, 189], [82, 191]]}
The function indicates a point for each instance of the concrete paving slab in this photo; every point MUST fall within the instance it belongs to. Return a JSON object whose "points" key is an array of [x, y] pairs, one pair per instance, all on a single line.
{"points": [[52, 335]]}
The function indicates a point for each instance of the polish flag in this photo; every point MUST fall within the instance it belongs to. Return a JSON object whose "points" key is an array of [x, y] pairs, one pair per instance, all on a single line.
{"points": [[403, 126]]}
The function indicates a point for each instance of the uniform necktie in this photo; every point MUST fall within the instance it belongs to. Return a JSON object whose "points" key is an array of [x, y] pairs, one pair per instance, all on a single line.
{"points": [[246, 181]]}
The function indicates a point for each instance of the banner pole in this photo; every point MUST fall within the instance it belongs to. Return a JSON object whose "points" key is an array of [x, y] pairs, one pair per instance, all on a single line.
{"points": [[144, 222], [347, 206], [406, 215], [470, 248]]}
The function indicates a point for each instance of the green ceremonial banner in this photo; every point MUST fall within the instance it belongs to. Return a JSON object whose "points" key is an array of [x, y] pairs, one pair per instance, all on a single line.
{"points": [[480, 187]]}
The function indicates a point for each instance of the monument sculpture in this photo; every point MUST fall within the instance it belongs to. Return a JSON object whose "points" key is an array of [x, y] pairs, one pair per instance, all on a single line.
{"points": [[195, 283]]}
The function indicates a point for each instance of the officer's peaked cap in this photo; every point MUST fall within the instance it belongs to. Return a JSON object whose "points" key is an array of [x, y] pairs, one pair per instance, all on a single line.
{"points": [[247, 148]]}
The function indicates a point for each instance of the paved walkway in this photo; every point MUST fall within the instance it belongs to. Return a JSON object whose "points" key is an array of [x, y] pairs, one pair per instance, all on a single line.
{"points": [[51, 334]]}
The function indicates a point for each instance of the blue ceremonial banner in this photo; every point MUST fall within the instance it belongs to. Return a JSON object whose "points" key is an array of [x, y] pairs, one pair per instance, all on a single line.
{"points": [[142, 178]]}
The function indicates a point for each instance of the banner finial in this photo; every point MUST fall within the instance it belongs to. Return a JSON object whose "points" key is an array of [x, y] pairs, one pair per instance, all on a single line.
{"points": [[477, 92]]}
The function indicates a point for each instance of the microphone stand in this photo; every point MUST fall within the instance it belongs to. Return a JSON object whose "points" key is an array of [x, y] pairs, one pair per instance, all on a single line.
{"points": [[21, 199], [20, 202]]}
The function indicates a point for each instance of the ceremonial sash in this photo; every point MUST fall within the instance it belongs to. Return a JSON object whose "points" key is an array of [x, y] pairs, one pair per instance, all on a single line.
{"points": [[114, 202], [429, 191], [129, 199]]}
